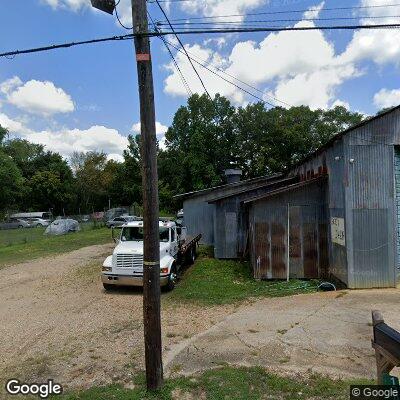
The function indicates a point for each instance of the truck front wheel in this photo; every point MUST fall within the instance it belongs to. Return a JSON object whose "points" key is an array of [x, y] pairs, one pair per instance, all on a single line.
{"points": [[107, 287], [191, 257], [172, 279]]}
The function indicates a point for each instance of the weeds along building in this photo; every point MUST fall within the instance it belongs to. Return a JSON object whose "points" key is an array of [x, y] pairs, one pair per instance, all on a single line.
{"points": [[335, 215]]}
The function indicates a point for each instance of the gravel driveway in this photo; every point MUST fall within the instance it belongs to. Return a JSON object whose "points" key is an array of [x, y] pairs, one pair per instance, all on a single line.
{"points": [[57, 322]]}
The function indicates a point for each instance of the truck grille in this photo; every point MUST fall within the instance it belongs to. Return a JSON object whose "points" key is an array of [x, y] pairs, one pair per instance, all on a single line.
{"points": [[134, 261]]}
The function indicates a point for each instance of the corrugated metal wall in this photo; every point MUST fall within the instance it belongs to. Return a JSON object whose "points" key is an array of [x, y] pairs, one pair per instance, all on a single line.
{"points": [[370, 208], [307, 241], [199, 218], [397, 196], [308, 254]]}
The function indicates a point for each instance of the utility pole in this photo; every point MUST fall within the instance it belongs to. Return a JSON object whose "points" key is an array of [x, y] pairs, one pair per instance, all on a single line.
{"points": [[151, 251]]}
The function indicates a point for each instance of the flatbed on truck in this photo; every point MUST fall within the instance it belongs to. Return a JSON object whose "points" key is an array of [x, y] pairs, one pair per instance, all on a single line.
{"points": [[125, 266]]}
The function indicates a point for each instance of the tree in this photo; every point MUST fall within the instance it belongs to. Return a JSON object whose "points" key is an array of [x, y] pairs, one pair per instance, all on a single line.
{"points": [[200, 144], [3, 134], [48, 191], [89, 177], [206, 137], [12, 183]]}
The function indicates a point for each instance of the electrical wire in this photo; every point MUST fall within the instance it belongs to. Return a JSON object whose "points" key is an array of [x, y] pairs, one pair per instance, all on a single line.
{"points": [[285, 12], [118, 19], [277, 29], [233, 77], [183, 47], [186, 32], [65, 45], [184, 81], [274, 20], [224, 79]]}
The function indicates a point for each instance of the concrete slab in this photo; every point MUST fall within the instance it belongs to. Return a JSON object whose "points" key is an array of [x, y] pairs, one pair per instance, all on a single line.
{"points": [[327, 333]]}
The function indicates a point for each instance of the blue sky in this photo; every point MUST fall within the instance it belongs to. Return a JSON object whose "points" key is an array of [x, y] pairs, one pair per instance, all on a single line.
{"points": [[85, 98]]}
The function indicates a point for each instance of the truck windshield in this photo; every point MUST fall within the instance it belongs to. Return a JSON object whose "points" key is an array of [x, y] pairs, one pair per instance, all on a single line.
{"points": [[135, 234]]}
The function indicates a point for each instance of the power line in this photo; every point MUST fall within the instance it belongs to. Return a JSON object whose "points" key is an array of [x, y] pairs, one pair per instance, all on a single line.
{"points": [[286, 12], [65, 45], [183, 47], [233, 77], [278, 29], [199, 31], [118, 19], [226, 80], [160, 23], [185, 84]]}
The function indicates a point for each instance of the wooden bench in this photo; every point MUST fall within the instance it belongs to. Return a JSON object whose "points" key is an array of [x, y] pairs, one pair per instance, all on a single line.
{"points": [[386, 343]]}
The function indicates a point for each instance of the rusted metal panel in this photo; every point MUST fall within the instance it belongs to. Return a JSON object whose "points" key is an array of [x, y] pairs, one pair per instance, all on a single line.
{"points": [[295, 243], [323, 250], [262, 251], [310, 244], [278, 250]]}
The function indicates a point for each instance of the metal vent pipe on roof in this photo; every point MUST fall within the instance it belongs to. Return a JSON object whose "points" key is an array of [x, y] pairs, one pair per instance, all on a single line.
{"points": [[233, 175]]}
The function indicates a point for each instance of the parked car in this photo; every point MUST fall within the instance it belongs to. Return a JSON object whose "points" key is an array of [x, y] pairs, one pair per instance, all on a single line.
{"points": [[62, 227], [35, 222], [85, 218], [14, 223], [119, 221]]}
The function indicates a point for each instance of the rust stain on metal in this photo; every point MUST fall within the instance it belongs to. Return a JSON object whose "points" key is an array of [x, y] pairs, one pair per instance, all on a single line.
{"points": [[262, 249], [310, 250], [278, 251]]}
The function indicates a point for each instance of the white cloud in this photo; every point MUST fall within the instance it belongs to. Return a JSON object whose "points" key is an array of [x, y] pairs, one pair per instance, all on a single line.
{"points": [[160, 128], [65, 141], [174, 86], [115, 157], [387, 98], [74, 5], [221, 7], [10, 84], [314, 12], [340, 103], [12, 125], [304, 69], [381, 45], [281, 55], [38, 97], [315, 89], [160, 132]]}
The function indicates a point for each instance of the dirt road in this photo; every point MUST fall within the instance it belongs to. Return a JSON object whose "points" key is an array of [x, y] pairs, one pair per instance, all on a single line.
{"points": [[57, 322]]}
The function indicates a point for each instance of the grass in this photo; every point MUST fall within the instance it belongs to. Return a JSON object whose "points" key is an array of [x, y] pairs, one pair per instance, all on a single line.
{"points": [[20, 245], [214, 282], [226, 383]]}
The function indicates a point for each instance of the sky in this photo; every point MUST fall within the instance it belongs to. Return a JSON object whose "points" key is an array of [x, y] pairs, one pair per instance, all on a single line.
{"points": [[86, 98]]}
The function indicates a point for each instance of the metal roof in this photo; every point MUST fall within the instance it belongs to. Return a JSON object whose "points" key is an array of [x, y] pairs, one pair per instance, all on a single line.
{"points": [[287, 188], [266, 184], [238, 185]]}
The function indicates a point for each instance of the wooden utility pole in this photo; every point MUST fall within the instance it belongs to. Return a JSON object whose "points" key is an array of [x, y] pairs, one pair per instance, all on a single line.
{"points": [[151, 251]]}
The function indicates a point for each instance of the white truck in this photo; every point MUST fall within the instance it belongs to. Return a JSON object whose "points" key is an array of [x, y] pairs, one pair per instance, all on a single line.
{"points": [[125, 266]]}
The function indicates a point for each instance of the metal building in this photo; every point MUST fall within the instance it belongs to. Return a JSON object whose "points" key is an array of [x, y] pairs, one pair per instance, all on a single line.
{"points": [[336, 214]]}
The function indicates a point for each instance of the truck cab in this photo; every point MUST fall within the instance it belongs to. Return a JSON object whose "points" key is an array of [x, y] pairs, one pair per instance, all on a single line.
{"points": [[125, 266]]}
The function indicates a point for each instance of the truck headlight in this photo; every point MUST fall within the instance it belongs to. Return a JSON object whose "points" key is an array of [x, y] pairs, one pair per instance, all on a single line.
{"points": [[106, 269], [164, 270]]}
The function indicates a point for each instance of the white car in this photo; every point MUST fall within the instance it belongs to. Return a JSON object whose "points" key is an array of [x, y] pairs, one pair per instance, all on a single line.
{"points": [[62, 227], [35, 222]]}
